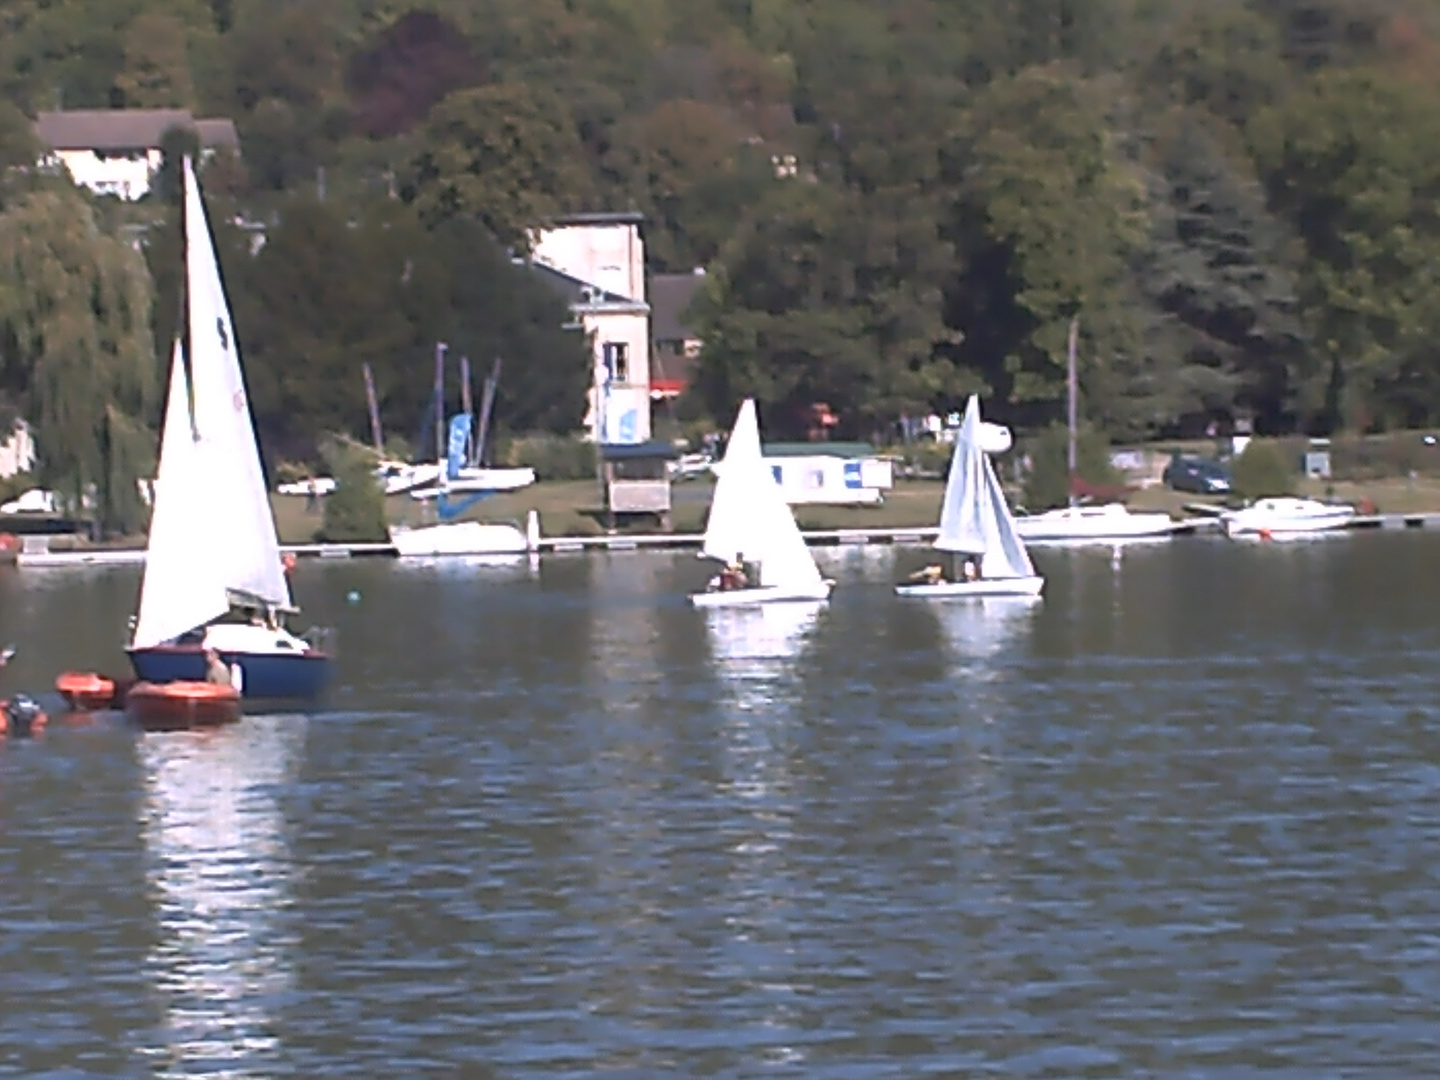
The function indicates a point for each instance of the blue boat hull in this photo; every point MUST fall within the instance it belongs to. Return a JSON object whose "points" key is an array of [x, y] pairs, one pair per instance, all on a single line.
{"points": [[263, 675]]}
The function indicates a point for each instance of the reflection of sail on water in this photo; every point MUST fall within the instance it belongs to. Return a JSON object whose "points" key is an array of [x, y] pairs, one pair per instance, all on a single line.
{"points": [[986, 630], [219, 869], [755, 651]]}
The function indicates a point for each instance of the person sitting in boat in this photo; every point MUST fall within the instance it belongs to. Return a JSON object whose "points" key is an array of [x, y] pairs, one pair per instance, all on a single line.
{"points": [[933, 574], [733, 576], [216, 670], [972, 569]]}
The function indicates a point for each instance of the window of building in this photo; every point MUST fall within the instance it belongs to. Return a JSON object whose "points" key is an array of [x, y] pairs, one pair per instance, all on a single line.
{"points": [[617, 361]]}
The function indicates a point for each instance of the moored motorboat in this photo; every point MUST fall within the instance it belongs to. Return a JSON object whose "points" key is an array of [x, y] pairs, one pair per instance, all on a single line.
{"points": [[1109, 522], [459, 538], [1286, 515], [182, 704]]}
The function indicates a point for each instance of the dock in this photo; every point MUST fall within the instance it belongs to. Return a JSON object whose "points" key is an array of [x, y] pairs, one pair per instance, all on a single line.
{"points": [[35, 551]]}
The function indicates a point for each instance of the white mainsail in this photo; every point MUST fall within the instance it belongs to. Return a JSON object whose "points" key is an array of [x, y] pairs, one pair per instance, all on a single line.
{"points": [[179, 591], [211, 530], [749, 517], [242, 528], [975, 519]]}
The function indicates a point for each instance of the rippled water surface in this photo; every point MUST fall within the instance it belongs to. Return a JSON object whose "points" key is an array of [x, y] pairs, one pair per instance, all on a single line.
{"points": [[1181, 818]]}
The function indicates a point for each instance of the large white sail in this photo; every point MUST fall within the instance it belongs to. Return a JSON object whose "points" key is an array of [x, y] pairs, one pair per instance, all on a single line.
{"points": [[749, 517], [179, 591], [242, 529], [975, 519]]}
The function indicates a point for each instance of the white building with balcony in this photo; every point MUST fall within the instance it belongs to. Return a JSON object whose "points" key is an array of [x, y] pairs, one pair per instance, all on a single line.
{"points": [[117, 151]]}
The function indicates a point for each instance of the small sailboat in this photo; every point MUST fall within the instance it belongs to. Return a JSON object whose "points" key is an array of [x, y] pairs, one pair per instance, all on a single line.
{"points": [[212, 551], [975, 523], [752, 532]]}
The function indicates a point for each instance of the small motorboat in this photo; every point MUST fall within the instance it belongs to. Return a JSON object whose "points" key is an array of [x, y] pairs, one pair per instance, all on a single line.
{"points": [[183, 704], [85, 691], [1108, 523], [1286, 515]]}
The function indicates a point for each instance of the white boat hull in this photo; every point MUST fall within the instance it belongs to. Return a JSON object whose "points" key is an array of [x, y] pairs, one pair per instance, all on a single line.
{"points": [[763, 594], [957, 590], [459, 538], [1286, 517], [1099, 523], [477, 479]]}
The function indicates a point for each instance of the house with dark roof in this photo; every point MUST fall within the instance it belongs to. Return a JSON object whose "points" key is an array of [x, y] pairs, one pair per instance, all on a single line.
{"points": [[674, 344], [117, 151]]}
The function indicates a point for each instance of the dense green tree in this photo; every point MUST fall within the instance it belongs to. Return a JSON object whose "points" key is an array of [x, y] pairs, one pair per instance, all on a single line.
{"points": [[76, 350], [507, 155]]}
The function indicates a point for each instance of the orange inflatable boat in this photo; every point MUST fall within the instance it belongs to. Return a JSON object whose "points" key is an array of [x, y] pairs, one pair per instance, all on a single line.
{"points": [[175, 706], [84, 691]]}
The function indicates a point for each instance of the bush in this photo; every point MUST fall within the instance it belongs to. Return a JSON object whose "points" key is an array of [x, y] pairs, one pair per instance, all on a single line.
{"points": [[355, 510], [1047, 483], [553, 457], [1263, 469]]}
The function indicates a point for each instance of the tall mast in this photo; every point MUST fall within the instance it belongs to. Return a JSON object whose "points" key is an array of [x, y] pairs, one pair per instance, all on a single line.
{"points": [[440, 403], [373, 403], [1073, 392]]}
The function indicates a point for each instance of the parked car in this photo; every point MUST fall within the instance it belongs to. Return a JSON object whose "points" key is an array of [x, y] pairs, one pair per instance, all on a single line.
{"points": [[1198, 475]]}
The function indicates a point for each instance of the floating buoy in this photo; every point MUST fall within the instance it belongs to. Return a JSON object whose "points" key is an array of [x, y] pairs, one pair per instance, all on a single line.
{"points": [[1265, 534], [353, 596], [85, 690]]}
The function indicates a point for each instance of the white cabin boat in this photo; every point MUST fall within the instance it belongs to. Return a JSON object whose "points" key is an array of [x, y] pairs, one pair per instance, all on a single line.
{"points": [[1286, 515], [1108, 523]]}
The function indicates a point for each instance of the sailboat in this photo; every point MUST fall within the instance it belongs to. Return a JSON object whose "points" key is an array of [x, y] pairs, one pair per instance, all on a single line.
{"points": [[975, 521], [1106, 523], [212, 550], [751, 525]]}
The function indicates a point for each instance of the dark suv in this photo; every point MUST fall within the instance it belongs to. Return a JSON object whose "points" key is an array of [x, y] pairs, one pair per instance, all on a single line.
{"points": [[1197, 475]]}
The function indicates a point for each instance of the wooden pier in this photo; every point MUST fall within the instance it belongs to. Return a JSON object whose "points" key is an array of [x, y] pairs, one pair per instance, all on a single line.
{"points": [[35, 551]]}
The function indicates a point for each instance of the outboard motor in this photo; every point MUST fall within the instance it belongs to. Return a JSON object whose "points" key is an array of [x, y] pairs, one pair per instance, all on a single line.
{"points": [[24, 715]]}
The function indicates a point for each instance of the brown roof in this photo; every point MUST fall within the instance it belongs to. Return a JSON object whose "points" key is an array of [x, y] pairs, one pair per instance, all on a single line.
{"points": [[126, 129], [670, 296]]}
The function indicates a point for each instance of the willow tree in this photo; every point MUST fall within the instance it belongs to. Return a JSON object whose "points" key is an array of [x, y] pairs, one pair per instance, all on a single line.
{"points": [[76, 350]]}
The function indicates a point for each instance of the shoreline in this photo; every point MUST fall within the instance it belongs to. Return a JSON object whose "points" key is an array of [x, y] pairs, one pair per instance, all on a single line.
{"points": [[620, 541]]}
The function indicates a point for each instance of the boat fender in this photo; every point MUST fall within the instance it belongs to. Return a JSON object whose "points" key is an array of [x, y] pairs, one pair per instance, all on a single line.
{"points": [[237, 678], [23, 716]]}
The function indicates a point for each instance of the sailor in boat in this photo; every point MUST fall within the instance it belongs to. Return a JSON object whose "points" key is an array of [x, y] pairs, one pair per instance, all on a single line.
{"points": [[972, 569], [732, 576], [934, 574], [216, 670]]}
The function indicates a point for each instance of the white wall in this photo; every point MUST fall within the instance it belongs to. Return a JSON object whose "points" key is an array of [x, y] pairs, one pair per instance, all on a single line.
{"points": [[17, 452], [611, 256], [127, 177], [611, 399]]}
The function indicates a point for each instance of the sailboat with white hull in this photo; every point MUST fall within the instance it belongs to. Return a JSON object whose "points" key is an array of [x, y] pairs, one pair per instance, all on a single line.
{"points": [[752, 531], [976, 525], [212, 550]]}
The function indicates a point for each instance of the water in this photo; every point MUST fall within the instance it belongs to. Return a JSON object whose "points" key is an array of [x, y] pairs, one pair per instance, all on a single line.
{"points": [[1182, 818]]}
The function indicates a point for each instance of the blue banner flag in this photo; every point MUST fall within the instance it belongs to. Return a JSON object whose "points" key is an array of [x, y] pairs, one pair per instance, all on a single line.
{"points": [[459, 444]]}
